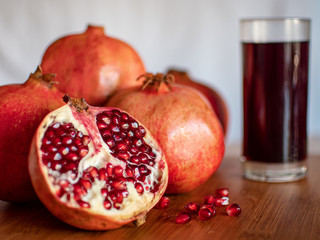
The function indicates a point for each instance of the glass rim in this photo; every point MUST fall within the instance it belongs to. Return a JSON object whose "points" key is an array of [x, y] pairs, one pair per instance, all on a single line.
{"points": [[281, 19]]}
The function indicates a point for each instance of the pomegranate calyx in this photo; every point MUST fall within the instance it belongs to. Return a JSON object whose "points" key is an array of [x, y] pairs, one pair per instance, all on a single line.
{"points": [[45, 78], [154, 81], [79, 104], [95, 29]]}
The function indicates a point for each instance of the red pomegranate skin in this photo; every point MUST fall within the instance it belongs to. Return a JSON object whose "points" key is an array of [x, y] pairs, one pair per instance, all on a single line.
{"points": [[186, 128], [215, 99], [22, 107], [92, 65]]}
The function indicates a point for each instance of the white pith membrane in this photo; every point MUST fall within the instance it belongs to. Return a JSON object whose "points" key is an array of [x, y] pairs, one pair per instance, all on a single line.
{"points": [[98, 156]]}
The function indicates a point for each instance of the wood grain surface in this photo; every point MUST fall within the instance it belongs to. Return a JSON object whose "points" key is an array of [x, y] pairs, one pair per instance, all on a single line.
{"points": [[269, 211]]}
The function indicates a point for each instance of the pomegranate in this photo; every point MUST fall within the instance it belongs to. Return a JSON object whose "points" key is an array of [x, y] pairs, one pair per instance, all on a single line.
{"points": [[92, 65], [180, 119], [214, 97], [22, 107], [96, 168]]}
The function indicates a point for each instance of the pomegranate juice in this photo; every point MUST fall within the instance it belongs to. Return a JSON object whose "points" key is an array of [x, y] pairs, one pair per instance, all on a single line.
{"points": [[275, 89]]}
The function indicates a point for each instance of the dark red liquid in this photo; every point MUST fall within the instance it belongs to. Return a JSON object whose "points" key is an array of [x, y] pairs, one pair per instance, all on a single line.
{"points": [[275, 87]]}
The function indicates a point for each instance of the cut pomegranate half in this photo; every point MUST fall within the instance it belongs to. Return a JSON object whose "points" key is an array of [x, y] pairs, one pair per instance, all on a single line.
{"points": [[96, 168]]}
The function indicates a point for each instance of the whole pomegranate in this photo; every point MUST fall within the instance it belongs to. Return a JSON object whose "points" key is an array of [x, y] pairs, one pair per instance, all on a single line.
{"points": [[185, 126], [92, 65], [22, 108], [96, 168], [216, 100]]}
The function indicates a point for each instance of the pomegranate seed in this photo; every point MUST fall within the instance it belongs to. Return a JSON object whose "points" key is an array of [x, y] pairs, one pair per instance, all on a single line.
{"points": [[83, 204], [116, 120], [57, 141], [80, 134], [192, 207], [107, 204], [118, 184], [60, 192], [115, 129], [70, 166], [233, 210], [129, 172], [106, 120], [123, 156], [137, 142], [104, 192], [151, 163], [64, 183], [72, 156], [61, 132], [68, 126], [139, 188], [79, 190], [52, 149], [57, 157], [222, 192], [56, 125], [110, 142], [85, 183], [110, 170], [101, 125], [130, 179], [122, 146], [64, 150], [66, 140], [86, 140], [125, 126], [73, 148], [206, 212], [106, 133], [83, 151], [140, 132], [183, 217], [49, 134], [78, 141], [135, 160], [143, 158], [119, 198], [134, 150], [221, 201], [208, 200], [130, 134], [93, 172], [118, 171], [46, 141], [125, 116], [163, 203], [143, 170], [102, 174]]}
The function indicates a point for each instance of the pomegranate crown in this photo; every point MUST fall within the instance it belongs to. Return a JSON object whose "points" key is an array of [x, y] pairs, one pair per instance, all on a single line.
{"points": [[79, 104], [47, 77], [154, 81]]}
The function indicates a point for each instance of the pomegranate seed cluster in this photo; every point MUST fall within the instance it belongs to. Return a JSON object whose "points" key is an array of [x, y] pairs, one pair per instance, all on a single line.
{"points": [[63, 147], [209, 207]]}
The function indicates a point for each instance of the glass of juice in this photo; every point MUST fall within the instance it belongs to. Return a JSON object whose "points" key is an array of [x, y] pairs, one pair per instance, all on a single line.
{"points": [[275, 54]]}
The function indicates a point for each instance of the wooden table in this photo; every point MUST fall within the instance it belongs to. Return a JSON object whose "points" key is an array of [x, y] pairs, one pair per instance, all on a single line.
{"points": [[269, 211]]}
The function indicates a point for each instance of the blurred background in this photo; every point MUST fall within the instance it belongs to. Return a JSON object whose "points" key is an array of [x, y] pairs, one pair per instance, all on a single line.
{"points": [[201, 37]]}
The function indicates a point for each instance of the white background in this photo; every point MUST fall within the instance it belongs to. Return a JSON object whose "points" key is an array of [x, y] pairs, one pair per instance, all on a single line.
{"points": [[200, 36]]}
